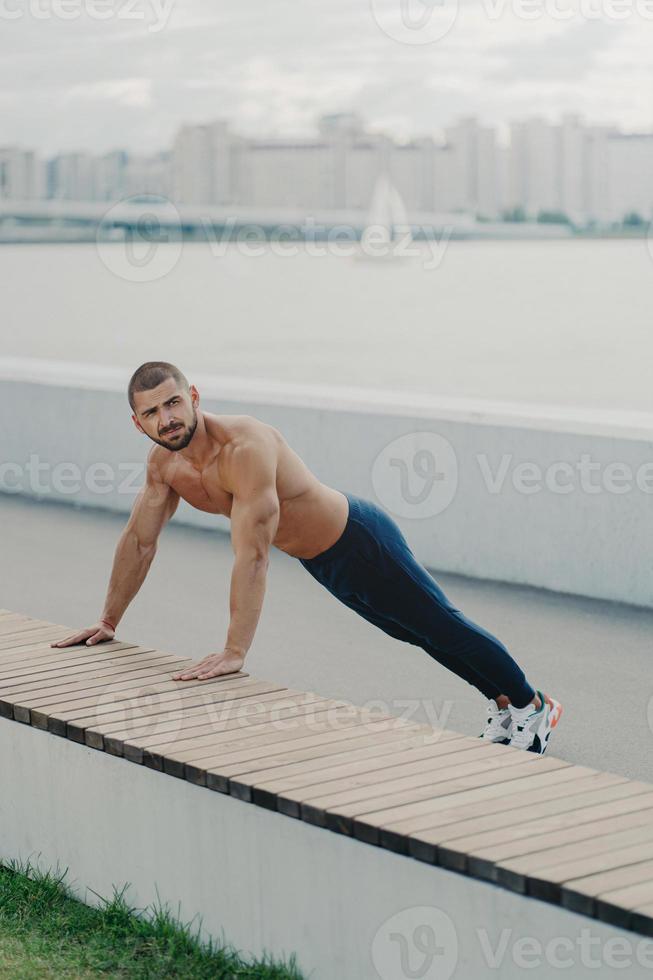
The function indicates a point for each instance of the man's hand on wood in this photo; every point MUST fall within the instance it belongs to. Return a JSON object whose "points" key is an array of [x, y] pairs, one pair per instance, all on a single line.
{"points": [[100, 633], [215, 664]]}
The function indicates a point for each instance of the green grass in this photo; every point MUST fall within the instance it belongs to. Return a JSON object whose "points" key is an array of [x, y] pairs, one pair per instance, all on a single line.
{"points": [[47, 933]]}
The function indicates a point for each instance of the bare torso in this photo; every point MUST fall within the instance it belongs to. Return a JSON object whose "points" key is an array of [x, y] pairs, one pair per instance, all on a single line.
{"points": [[312, 515]]}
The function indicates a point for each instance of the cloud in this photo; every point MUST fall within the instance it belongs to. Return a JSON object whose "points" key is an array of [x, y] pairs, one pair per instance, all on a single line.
{"points": [[268, 68], [569, 55]]}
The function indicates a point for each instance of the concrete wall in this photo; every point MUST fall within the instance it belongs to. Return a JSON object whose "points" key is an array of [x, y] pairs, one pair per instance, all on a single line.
{"points": [[535, 495], [266, 882]]}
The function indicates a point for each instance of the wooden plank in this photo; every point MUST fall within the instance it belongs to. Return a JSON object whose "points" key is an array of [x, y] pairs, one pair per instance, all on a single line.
{"points": [[10, 703], [461, 853], [89, 676], [620, 902], [551, 882], [425, 844], [13, 625], [266, 786], [338, 722], [13, 641], [314, 756], [177, 694], [279, 705], [16, 626], [211, 769], [81, 694], [272, 788], [155, 754], [128, 714], [542, 874], [515, 828], [136, 682], [327, 718], [11, 618], [398, 792], [133, 710], [42, 659], [434, 765], [580, 894], [425, 831], [171, 723], [365, 826], [100, 704], [106, 666]]}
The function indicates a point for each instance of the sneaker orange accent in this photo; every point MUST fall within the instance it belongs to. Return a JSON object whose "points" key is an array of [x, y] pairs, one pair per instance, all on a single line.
{"points": [[555, 712]]}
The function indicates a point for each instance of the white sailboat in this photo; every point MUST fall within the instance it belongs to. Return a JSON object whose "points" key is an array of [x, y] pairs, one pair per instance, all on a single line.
{"points": [[387, 232]]}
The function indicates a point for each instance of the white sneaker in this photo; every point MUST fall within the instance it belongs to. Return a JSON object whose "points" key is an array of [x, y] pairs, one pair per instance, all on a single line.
{"points": [[531, 726], [499, 723]]}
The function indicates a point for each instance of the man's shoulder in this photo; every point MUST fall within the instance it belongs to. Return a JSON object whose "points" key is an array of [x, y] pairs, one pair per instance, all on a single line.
{"points": [[155, 464], [242, 430], [253, 448]]}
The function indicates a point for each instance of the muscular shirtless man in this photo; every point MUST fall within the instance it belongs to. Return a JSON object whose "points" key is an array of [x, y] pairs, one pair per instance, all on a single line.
{"points": [[243, 468]]}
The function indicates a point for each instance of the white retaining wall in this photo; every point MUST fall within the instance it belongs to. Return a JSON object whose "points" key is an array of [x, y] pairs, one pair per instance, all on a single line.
{"points": [[266, 882], [541, 496]]}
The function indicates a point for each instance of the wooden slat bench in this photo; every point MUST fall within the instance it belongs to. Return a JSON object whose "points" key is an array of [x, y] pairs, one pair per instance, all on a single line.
{"points": [[564, 833]]}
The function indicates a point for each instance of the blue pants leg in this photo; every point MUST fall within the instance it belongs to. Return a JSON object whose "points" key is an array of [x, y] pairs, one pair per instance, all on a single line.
{"points": [[372, 569]]}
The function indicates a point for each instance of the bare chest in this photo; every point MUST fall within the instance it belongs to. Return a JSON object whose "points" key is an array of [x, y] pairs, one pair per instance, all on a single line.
{"points": [[202, 490]]}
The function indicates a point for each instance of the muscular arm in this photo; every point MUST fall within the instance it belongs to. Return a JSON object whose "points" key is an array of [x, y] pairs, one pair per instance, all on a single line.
{"points": [[251, 478], [155, 504], [254, 523]]}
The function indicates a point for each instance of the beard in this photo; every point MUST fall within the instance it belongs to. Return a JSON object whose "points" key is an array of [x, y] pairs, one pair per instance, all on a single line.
{"points": [[179, 439]]}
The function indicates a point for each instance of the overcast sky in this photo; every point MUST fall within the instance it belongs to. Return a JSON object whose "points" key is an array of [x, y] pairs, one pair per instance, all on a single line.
{"points": [[273, 66]]}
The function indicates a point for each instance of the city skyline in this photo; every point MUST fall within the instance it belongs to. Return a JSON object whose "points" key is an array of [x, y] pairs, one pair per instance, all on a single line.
{"points": [[581, 173], [502, 128]]}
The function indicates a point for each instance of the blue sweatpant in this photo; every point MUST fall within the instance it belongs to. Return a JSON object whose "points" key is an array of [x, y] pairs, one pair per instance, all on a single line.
{"points": [[371, 569]]}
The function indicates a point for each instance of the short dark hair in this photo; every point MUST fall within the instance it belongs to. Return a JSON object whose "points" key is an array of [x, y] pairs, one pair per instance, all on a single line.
{"points": [[151, 374]]}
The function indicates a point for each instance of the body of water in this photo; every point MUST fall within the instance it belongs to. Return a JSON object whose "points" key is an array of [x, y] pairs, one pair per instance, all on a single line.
{"points": [[559, 322]]}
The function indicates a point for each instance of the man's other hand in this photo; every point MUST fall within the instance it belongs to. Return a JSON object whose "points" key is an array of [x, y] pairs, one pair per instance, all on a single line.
{"points": [[94, 634], [213, 665]]}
